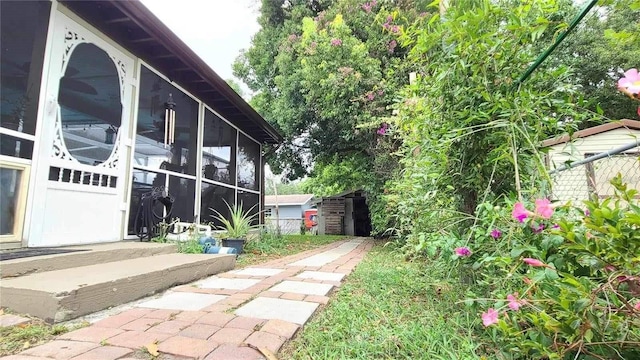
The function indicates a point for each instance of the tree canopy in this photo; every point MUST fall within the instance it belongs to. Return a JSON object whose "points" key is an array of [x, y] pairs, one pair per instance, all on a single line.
{"points": [[333, 77]]}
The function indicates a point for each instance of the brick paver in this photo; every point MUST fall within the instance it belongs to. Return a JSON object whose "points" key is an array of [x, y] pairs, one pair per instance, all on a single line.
{"points": [[170, 327], [230, 335], [140, 324], [267, 340], [199, 331], [136, 339], [217, 319], [61, 349], [104, 353], [281, 328], [94, 334], [246, 323], [186, 346], [212, 333], [12, 320], [235, 352]]}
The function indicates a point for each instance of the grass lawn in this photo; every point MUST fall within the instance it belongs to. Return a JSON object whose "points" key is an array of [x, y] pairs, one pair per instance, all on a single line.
{"points": [[260, 250], [389, 309]]}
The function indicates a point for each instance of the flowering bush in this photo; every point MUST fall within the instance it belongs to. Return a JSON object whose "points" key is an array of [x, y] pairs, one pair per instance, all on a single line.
{"points": [[568, 291]]}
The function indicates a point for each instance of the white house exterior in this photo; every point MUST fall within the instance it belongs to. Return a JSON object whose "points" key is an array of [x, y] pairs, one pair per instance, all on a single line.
{"points": [[101, 103], [582, 182], [290, 210]]}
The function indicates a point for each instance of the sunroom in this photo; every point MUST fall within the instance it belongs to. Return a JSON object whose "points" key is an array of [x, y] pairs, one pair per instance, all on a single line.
{"points": [[102, 103]]}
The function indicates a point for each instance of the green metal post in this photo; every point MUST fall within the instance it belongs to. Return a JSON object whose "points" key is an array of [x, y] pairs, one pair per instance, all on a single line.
{"points": [[560, 38]]}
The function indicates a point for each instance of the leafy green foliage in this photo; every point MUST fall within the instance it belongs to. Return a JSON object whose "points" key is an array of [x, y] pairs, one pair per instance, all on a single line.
{"points": [[238, 224], [324, 73], [468, 133], [579, 299], [190, 246], [606, 44], [289, 188]]}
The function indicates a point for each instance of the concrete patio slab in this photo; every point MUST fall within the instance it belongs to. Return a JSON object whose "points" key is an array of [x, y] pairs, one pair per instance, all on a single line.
{"points": [[66, 294], [299, 287], [320, 275], [258, 272], [226, 283], [182, 301], [328, 256], [288, 310], [92, 254]]}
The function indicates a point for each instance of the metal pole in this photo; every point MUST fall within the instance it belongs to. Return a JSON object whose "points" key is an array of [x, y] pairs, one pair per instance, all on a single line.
{"points": [[597, 157], [559, 39]]}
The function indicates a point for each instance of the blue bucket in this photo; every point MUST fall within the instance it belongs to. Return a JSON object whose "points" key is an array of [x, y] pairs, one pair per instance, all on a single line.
{"points": [[211, 249]]}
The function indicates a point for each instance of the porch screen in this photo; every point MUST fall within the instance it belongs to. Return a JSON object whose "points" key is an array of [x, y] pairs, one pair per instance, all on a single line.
{"points": [[23, 34]]}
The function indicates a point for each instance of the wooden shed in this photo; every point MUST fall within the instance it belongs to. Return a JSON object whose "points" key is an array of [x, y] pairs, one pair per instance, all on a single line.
{"points": [[344, 214], [592, 179]]}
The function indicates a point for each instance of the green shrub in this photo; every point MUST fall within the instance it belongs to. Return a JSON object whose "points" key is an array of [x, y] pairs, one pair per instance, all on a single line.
{"points": [[565, 282]]}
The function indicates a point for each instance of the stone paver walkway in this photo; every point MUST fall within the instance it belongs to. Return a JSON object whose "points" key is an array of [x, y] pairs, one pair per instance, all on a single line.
{"points": [[227, 316]]}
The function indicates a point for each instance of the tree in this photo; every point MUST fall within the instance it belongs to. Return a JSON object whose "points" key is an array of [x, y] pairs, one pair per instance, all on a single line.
{"points": [[235, 86], [290, 188], [602, 47], [324, 73]]}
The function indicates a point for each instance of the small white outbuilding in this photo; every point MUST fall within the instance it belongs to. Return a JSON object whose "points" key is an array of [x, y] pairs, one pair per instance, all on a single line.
{"points": [[581, 182]]}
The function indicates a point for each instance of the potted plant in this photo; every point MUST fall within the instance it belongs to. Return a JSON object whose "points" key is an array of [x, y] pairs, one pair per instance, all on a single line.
{"points": [[237, 226]]}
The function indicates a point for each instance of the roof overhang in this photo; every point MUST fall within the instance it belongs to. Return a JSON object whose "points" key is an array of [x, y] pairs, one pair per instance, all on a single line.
{"points": [[139, 31], [627, 124]]}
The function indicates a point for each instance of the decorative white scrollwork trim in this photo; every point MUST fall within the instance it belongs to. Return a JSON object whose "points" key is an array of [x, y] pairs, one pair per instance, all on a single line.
{"points": [[72, 38]]}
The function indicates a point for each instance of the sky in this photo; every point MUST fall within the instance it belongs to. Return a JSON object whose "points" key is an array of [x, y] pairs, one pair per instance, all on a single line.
{"points": [[215, 29]]}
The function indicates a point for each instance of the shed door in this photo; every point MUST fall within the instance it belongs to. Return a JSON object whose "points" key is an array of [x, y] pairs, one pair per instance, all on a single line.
{"points": [[85, 141]]}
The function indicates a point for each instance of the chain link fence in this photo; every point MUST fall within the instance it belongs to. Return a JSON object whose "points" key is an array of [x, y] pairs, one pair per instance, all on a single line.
{"points": [[585, 179], [287, 226]]}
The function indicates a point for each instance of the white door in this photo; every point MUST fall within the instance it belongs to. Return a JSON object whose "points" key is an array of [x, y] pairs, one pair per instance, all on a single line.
{"points": [[83, 158]]}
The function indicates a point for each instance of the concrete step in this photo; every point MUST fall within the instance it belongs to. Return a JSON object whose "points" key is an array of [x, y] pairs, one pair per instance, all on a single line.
{"points": [[96, 254], [61, 295]]}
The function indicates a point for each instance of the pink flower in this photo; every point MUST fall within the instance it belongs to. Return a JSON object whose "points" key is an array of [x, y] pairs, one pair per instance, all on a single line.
{"points": [[380, 92], [610, 268], [496, 233], [382, 130], [543, 208], [519, 212], [336, 42], [514, 304], [395, 29], [463, 251], [637, 307], [370, 96], [392, 46], [630, 83], [587, 212], [537, 229], [533, 262], [490, 317]]}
